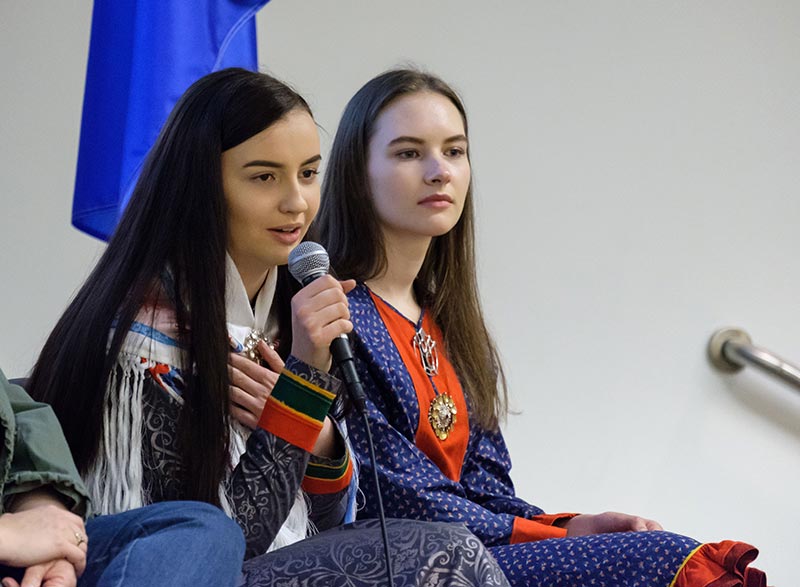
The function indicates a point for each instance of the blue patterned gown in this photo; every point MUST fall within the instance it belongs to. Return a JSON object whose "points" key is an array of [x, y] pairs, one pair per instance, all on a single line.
{"points": [[521, 537]]}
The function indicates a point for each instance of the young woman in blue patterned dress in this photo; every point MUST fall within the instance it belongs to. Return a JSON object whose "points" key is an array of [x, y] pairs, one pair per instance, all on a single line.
{"points": [[397, 216]]}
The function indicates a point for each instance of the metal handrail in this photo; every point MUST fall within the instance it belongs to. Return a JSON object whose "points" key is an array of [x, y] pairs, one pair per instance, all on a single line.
{"points": [[730, 350]]}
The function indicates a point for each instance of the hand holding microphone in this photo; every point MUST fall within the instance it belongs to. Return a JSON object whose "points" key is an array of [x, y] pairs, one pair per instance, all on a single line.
{"points": [[320, 312], [321, 316]]}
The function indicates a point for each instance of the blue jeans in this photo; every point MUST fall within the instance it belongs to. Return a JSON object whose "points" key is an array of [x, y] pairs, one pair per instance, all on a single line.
{"points": [[172, 543]]}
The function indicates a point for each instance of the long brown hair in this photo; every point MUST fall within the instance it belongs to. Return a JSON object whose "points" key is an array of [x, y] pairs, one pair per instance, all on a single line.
{"points": [[446, 285]]}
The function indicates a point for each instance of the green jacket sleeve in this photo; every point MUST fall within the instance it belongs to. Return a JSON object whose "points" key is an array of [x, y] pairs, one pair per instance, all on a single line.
{"points": [[35, 452]]}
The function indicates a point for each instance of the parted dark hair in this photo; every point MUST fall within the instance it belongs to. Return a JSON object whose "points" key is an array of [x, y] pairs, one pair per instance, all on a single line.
{"points": [[176, 219], [446, 284]]}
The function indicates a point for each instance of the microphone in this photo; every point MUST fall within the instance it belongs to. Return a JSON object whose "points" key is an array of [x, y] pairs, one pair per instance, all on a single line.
{"points": [[309, 261]]}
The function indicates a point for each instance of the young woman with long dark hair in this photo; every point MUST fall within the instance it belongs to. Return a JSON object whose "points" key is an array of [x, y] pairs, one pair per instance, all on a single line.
{"points": [[190, 366], [397, 215]]}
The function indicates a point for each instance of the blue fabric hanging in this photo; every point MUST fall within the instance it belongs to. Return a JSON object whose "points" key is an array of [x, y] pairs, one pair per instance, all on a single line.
{"points": [[143, 54]]}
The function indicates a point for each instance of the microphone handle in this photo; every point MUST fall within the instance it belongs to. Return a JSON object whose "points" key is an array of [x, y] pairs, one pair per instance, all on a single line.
{"points": [[343, 356]]}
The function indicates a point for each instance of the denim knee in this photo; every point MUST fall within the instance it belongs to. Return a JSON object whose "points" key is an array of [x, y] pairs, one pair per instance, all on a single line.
{"points": [[227, 539]]}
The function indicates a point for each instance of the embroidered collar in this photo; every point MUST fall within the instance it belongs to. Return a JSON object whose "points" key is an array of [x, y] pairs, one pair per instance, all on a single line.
{"points": [[153, 335]]}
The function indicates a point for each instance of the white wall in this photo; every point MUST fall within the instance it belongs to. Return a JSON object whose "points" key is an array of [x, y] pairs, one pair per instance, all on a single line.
{"points": [[636, 167], [44, 48]]}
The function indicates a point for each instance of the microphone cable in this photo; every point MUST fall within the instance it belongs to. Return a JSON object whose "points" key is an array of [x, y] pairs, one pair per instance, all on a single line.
{"points": [[381, 515], [307, 262]]}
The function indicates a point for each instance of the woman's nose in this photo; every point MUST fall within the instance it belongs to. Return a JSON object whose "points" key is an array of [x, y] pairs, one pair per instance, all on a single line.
{"points": [[439, 172]]}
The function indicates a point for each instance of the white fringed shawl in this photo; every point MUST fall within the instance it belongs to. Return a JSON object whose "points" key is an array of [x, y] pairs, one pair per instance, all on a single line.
{"points": [[116, 480]]}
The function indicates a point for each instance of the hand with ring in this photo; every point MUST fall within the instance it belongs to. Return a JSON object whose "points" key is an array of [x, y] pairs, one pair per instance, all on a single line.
{"points": [[42, 539]]}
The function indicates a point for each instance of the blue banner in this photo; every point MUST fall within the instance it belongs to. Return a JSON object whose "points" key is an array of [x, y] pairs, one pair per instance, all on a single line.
{"points": [[143, 54]]}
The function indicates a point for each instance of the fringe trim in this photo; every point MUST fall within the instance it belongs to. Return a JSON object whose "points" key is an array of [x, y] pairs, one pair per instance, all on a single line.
{"points": [[297, 525], [113, 486]]}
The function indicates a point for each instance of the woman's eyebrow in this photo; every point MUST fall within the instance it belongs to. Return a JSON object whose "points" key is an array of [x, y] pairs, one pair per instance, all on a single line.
{"points": [[264, 163], [405, 139], [456, 139], [418, 141]]}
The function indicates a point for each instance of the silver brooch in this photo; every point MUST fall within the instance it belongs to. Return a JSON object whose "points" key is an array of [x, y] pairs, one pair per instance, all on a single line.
{"points": [[251, 345], [428, 354]]}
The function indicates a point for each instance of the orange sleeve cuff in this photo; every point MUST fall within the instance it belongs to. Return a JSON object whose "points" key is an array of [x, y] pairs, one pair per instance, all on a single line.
{"points": [[551, 519], [321, 479], [525, 530], [295, 428], [295, 410]]}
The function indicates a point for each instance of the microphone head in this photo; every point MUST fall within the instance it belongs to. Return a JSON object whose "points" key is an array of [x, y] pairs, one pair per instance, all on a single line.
{"points": [[307, 261]]}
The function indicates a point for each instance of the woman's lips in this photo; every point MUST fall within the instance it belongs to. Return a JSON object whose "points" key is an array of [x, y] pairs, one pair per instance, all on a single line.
{"points": [[436, 201], [287, 235]]}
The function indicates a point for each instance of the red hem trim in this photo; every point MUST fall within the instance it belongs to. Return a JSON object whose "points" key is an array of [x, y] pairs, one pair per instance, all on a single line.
{"points": [[721, 564]]}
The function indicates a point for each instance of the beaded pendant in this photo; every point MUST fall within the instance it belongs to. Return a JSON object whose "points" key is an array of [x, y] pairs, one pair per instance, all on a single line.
{"points": [[251, 345]]}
